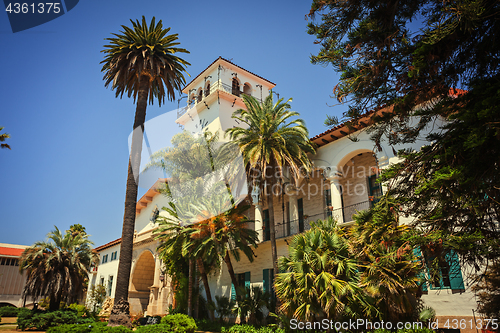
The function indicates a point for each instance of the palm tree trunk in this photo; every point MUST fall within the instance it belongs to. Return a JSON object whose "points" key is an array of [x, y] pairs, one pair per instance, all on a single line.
{"points": [[119, 314], [227, 260], [204, 278], [190, 289], [272, 227]]}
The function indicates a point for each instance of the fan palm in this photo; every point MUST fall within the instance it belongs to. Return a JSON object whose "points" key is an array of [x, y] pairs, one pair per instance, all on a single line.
{"points": [[58, 267], [141, 62], [271, 143], [389, 269], [320, 278]]}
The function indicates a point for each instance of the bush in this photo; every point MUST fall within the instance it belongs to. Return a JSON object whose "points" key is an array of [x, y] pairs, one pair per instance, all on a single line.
{"points": [[252, 329], [158, 328], [88, 328], [41, 320], [8, 311], [179, 323], [210, 326], [241, 329]]}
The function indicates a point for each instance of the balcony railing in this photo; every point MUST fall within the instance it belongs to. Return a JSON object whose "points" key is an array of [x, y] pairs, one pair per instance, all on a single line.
{"points": [[349, 211], [294, 227], [213, 88]]}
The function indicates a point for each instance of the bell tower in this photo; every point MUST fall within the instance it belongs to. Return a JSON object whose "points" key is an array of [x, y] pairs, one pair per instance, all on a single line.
{"points": [[216, 93]]}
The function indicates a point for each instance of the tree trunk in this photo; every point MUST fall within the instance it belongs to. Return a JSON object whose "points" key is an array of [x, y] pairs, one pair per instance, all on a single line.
{"points": [[118, 317], [227, 260], [190, 289], [204, 278], [272, 227]]}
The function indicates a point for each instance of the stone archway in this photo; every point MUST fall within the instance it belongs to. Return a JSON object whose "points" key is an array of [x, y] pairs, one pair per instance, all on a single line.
{"points": [[141, 280]]}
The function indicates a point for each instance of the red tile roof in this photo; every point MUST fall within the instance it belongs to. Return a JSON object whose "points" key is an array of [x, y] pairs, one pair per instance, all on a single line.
{"points": [[260, 77], [363, 121], [9, 251], [105, 246]]}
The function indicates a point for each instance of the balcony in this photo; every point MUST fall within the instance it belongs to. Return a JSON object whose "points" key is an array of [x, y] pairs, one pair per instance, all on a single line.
{"points": [[213, 88], [294, 227]]}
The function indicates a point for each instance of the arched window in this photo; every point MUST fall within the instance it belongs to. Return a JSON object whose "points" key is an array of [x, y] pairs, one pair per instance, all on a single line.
{"points": [[191, 100], [235, 87], [207, 89], [200, 95], [247, 89]]}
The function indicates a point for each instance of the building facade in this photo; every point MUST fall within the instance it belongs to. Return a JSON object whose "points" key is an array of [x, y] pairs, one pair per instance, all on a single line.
{"points": [[342, 184], [11, 280]]}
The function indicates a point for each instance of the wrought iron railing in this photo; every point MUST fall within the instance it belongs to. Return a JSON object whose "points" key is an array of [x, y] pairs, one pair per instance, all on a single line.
{"points": [[290, 228], [349, 211]]}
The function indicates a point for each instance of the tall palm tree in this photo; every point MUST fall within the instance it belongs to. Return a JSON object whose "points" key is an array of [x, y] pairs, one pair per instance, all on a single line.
{"points": [[58, 267], [140, 61], [3, 137], [272, 144]]}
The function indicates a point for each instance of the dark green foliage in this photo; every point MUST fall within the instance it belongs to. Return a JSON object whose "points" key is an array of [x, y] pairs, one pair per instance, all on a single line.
{"points": [[406, 53], [210, 326], [41, 320], [411, 330], [9, 311], [252, 329], [179, 323], [487, 291], [95, 327], [158, 328]]}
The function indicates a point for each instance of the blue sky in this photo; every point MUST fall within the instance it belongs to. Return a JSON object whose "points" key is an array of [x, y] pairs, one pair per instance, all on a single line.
{"points": [[68, 162]]}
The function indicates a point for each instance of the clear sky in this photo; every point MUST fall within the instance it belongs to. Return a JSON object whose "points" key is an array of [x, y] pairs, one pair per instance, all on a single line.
{"points": [[68, 162]]}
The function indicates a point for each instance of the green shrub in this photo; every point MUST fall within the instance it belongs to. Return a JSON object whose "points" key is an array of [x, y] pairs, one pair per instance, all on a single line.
{"points": [[210, 326], [88, 328], [158, 328], [41, 320], [241, 329], [179, 323], [8, 311]]}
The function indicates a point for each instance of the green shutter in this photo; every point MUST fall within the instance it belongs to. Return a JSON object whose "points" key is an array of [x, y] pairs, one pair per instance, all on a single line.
{"points": [[233, 292], [417, 253], [247, 280], [300, 206], [267, 230], [265, 280], [456, 280]]}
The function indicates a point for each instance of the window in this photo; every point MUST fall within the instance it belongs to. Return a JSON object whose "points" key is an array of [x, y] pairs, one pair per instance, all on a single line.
{"points": [[154, 215], [243, 281], [268, 281], [200, 95], [447, 275], [2, 261], [110, 285], [375, 189], [114, 255], [102, 281], [235, 87], [104, 259], [207, 89], [267, 231], [300, 204], [328, 202]]}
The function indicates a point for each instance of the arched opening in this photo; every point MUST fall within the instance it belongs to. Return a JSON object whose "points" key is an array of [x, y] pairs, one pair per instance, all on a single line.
{"points": [[247, 89], [191, 100], [200, 94], [359, 190], [142, 279], [207, 88], [235, 87]]}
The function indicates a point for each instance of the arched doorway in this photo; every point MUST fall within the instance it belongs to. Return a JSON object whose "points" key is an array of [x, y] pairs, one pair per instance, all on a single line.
{"points": [[142, 279]]}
